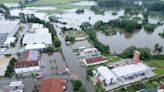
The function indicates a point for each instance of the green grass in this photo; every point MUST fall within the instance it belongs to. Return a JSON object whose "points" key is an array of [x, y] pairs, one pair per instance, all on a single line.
{"points": [[159, 66], [111, 58], [9, 1], [76, 33]]}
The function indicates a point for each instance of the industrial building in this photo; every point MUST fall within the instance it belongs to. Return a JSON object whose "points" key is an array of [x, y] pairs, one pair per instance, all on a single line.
{"points": [[105, 75], [37, 38], [130, 70], [29, 62], [8, 29], [123, 73]]}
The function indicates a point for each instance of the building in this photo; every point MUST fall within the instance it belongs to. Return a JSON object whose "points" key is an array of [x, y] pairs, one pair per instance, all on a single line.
{"points": [[136, 57], [35, 27], [8, 29], [105, 75], [28, 63], [37, 38], [8, 41], [12, 5], [88, 52], [52, 85], [94, 60], [131, 70], [15, 86]]}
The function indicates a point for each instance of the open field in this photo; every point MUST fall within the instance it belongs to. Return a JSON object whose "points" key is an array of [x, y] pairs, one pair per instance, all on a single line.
{"points": [[51, 2], [9, 1], [111, 58], [76, 33], [158, 64]]}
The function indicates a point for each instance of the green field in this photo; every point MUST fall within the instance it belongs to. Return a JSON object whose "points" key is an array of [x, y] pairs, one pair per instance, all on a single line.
{"points": [[9, 1], [111, 58], [159, 66]]}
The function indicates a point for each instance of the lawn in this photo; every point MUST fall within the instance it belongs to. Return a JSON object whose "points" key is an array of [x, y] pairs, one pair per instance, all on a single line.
{"points": [[159, 66], [111, 58], [9, 1], [76, 33]]}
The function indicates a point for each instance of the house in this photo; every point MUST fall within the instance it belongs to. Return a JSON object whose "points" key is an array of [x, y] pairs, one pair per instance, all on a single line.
{"points": [[28, 63], [105, 75], [52, 85], [94, 60], [88, 52]]}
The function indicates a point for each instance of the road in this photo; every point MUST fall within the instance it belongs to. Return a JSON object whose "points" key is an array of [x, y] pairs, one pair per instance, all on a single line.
{"points": [[73, 63]]}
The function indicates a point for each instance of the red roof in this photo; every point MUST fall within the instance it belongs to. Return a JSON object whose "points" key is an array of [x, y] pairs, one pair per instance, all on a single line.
{"points": [[95, 59], [162, 86], [52, 85], [26, 64]]}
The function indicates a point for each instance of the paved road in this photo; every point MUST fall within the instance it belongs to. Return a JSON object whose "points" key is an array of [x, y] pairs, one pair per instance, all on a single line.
{"points": [[73, 63]]}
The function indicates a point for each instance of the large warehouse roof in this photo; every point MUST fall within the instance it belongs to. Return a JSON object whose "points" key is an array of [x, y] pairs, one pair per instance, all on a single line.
{"points": [[8, 26], [106, 73], [129, 69], [37, 38]]}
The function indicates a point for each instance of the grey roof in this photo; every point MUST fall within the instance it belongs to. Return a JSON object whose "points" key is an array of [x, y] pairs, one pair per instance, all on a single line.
{"points": [[3, 37]]}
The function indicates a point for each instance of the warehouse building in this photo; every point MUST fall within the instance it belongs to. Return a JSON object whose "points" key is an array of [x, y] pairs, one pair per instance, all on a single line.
{"points": [[105, 75], [8, 29], [37, 38], [28, 63], [130, 71]]}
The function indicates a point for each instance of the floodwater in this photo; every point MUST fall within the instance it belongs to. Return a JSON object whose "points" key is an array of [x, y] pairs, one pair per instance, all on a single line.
{"points": [[120, 41]]}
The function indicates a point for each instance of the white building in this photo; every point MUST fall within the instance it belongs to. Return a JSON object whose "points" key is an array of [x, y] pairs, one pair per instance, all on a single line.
{"points": [[130, 70], [28, 63], [9, 40], [36, 27], [12, 5], [88, 52], [37, 38], [16, 86], [107, 76]]}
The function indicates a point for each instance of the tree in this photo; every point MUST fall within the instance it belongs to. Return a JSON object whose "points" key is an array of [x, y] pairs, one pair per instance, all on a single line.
{"points": [[149, 27], [77, 84], [89, 71], [128, 53]]}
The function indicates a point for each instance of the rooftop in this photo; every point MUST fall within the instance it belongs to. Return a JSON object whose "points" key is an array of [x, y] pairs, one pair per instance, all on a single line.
{"points": [[52, 85], [95, 59], [106, 73], [26, 64], [29, 56], [15, 83], [37, 38], [129, 69]]}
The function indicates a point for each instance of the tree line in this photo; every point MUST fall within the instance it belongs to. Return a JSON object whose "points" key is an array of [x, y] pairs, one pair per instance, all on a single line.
{"points": [[87, 27]]}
